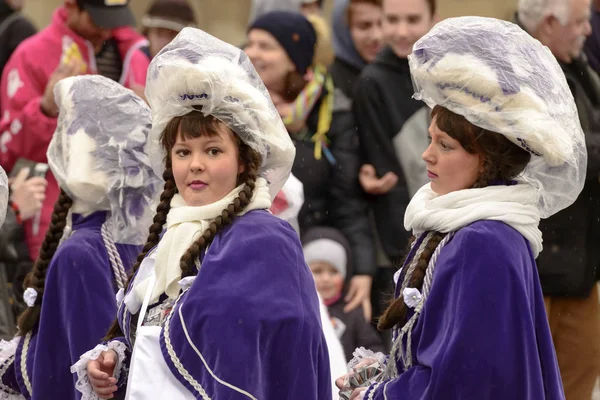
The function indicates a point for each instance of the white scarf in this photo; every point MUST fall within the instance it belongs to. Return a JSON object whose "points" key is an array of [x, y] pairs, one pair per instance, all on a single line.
{"points": [[515, 205], [184, 225]]}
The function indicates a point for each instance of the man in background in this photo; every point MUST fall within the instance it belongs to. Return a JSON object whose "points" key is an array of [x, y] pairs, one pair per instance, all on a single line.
{"points": [[569, 265]]}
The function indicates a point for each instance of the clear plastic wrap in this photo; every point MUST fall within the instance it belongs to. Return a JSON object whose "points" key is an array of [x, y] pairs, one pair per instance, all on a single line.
{"points": [[198, 70], [501, 79], [3, 195], [366, 368], [98, 153]]}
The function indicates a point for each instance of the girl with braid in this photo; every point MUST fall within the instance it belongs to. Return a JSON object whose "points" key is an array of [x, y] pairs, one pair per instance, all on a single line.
{"points": [[98, 157], [221, 304], [506, 149]]}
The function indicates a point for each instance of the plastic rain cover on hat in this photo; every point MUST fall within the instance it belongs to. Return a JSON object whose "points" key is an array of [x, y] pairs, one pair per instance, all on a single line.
{"points": [[198, 70], [501, 79], [98, 153], [3, 195]]}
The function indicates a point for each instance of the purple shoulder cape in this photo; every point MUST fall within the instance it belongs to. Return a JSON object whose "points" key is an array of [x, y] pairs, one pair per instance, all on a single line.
{"points": [[249, 326], [78, 307], [483, 332]]}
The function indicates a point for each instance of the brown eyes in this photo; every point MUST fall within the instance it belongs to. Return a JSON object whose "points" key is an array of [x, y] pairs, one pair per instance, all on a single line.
{"points": [[213, 151]]}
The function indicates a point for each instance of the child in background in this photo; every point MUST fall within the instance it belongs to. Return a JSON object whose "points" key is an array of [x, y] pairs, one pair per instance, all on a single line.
{"points": [[326, 252]]}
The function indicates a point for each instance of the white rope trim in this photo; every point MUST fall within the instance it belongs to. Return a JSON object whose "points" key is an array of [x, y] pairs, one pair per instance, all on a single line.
{"points": [[392, 370], [113, 256], [24, 363], [400, 353], [186, 375], [432, 263]]}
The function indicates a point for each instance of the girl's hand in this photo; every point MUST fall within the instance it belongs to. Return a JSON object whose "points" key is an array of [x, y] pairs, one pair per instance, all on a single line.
{"points": [[358, 393], [100, 372]]}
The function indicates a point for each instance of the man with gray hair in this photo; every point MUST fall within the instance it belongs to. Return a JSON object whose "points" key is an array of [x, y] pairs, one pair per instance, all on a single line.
{"points": [[569, 265]]}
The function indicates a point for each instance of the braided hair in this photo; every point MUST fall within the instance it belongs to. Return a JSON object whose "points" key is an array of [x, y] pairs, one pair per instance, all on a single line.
{"points": [[160, 218], [193, 125], [395, 314], [36, 279]]}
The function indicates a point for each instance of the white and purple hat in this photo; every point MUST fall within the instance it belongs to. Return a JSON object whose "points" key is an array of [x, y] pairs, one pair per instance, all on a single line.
{"points": [[99, 157]]}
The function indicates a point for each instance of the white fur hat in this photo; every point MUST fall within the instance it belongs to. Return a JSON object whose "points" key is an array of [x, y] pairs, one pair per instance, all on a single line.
{"points": [[501, 79], [196, 69], [98, 153]]}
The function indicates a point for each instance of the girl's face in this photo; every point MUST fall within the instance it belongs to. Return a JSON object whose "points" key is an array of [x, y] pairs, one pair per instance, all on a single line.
{"points": [[365, 29], [405, 22], [329, 281], [449, 166], [205, 168], [270, 59]]}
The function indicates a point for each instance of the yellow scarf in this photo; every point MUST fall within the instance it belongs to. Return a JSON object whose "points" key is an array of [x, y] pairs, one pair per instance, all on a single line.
{"points": [[306, 101]]}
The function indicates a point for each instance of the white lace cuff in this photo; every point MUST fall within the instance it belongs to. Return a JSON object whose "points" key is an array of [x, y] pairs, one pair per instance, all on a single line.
{"points": [[8, 348], [7, 357], [83, 384], [11, 396]]}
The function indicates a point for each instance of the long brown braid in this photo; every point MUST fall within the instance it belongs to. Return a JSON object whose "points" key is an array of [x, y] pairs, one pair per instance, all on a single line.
{"points": [[162, 210], [36, 279], [396, 311]]}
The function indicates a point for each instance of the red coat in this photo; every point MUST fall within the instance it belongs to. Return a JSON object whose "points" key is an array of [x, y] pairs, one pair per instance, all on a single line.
{"points": [[25, 131]]}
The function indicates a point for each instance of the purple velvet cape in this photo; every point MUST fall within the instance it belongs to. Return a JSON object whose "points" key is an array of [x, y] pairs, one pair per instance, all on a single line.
{"points": [[253, 314], [78, 308], [483, 332]]}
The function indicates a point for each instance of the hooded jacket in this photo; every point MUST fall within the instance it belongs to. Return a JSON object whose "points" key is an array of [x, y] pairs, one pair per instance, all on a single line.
{"points": [[382, 104], [347, 65]]}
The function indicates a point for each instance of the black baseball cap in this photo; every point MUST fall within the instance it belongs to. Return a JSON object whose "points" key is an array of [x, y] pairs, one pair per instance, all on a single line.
{"points": [[108, 14]]}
